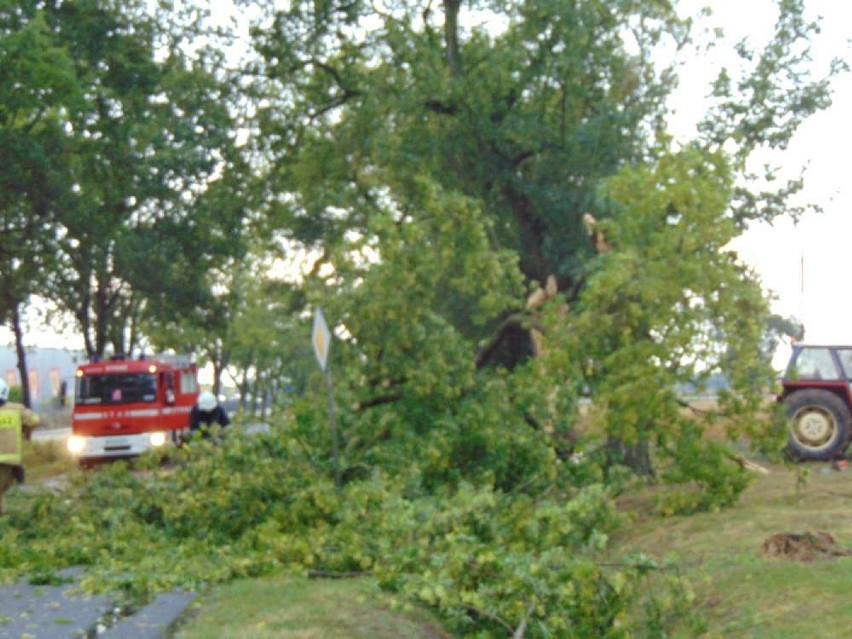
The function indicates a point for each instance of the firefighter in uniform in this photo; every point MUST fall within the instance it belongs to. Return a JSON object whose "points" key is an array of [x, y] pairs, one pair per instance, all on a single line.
{"points": [[16, 422], [206, 413]]}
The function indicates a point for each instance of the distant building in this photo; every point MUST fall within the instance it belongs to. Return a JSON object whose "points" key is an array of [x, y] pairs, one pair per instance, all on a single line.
{"points": [[50, 371]]}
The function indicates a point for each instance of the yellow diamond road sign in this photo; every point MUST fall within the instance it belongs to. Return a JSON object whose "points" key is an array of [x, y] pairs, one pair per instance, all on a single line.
{"points": [[321, 338]]}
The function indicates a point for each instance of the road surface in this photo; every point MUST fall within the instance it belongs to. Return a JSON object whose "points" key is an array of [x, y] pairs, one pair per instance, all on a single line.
{"points": [[49, 434]]}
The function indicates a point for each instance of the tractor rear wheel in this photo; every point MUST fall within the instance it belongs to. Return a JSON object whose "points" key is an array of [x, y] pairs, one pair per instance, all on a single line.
{"points": [[819, 425]]}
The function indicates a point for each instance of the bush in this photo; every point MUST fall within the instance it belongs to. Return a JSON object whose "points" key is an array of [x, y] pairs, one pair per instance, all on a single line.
{"points": [[16, 394], [487, 560]]}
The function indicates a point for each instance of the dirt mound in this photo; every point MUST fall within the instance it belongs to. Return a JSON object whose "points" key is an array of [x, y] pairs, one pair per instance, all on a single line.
{"points": [[803, 546]]}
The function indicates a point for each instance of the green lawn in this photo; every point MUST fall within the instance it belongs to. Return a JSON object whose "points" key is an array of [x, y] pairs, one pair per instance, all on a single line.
{"points": [[744, 593], [304, 609]]}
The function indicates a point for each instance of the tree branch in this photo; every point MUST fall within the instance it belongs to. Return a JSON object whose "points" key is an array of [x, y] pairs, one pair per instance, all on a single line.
{"points": [[695, 411], [335, 74], [439, 107], [490, 615], [451, 35], [521, 630], [328, 574], [379, 401], [29, 126], [515, 320]]}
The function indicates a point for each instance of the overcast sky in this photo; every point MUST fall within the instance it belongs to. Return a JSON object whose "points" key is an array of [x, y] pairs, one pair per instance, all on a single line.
{"points": [[805, 264]]}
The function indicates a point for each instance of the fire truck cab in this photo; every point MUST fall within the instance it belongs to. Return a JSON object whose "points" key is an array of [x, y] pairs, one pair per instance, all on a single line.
{"points": [[123, 407]]}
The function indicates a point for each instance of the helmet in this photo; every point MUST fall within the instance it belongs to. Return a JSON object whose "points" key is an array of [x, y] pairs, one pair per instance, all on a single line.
{"points": [[207, 401], [4, 391]]}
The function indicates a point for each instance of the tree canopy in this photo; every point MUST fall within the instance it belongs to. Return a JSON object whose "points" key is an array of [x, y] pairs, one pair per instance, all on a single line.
{"points": [[112, 144], [544, 125], [488, 193]]}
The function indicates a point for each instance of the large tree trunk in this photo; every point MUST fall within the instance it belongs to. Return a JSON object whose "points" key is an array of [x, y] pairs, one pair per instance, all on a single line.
{"points": [[244, 390], [636, 456], [102, 337], [257, 389], [219, 358], [22, 357], [82, 314], [451, 35], [217, 377], [533, 230]]}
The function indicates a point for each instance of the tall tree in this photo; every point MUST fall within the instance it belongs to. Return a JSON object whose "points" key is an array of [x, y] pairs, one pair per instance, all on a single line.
{"points": [[667, 305], [38, 82], [527, 117], [150, 137], [531, 116]]}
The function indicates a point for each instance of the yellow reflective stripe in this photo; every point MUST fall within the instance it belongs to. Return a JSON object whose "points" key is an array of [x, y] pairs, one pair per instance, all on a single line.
{"points": [[10, 436]]}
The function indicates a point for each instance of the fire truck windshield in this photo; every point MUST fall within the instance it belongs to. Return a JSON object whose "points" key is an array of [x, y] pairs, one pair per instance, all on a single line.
{"points": [[116, 389]]}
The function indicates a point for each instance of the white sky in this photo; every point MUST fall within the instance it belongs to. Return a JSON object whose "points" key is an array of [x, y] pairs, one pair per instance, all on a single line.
{"points": [[816, 293], [803, 264]]}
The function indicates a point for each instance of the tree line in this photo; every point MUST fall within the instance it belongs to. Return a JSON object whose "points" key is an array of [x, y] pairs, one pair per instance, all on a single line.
{"points": [[493, 210]]}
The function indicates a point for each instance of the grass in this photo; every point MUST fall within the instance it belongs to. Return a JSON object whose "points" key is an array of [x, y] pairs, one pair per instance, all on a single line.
{"points": [[743, 593], [292, 608], [46, 458]]}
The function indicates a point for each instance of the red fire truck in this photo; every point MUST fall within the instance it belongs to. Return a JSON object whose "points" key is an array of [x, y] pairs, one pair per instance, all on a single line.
{"points": [[123, 407]]}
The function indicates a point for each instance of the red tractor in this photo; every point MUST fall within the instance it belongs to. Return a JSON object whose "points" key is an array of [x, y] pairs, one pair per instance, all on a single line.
{"points": [[817, 397]]}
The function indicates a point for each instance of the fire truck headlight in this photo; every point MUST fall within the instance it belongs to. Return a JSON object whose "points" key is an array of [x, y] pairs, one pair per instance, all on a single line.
{"points": [[76, 445], [158, 439]]}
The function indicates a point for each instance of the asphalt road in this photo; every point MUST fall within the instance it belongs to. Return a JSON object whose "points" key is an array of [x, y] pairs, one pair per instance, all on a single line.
{"points": [[61, 612], [51, 433], [63, 433]]}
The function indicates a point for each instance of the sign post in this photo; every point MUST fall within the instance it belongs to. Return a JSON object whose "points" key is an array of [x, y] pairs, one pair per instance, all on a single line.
{"points": [[321, 341]]}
